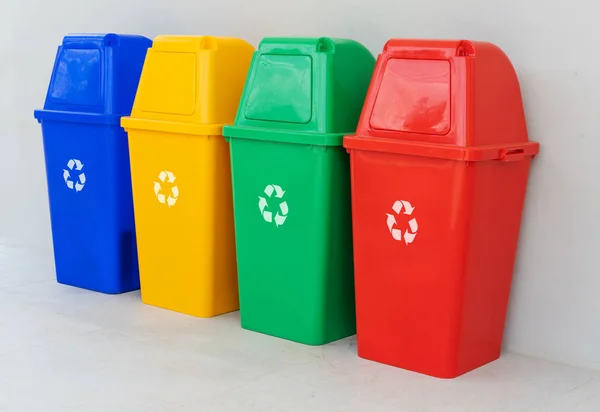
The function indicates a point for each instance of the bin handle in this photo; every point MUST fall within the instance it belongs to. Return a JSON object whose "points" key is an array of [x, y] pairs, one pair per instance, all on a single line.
{"points": [[512, 155]]}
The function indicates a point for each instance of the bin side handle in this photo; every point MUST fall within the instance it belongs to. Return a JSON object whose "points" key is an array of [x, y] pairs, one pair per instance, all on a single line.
{"points": [[512, 155]]}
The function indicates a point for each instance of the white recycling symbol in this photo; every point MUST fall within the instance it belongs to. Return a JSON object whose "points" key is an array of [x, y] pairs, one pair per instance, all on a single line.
{"points": [[172, 197], [74, 164], [263, 205], [409, 233]]}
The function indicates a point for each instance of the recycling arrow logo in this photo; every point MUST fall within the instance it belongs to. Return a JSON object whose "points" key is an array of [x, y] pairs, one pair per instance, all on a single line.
{"points": [[173, 195], [409, 233], [265, 211], [75, 166]]}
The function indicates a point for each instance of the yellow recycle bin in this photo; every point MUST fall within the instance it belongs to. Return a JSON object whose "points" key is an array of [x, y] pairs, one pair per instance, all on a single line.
{"points": [[189, 88]]}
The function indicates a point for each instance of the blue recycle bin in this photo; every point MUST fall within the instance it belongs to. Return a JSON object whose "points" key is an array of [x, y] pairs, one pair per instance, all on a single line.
{"points": [[93, 85]]}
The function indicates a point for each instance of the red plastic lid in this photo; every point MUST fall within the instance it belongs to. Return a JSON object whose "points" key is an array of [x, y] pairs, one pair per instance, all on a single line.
{"points": [[453, 99]]}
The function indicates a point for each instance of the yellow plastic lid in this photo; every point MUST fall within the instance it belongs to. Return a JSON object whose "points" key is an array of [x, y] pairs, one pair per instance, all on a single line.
{"points": [[190, 84]]}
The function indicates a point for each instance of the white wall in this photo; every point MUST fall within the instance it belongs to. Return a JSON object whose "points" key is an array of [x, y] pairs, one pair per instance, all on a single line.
{"points": [[555, 306]]}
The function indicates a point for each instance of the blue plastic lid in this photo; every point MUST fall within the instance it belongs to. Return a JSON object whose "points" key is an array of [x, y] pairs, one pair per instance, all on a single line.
{"points": [[95, 78]]}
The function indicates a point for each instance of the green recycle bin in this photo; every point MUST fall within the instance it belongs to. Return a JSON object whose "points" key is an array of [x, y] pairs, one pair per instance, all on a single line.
{"points": [[291, 187]]}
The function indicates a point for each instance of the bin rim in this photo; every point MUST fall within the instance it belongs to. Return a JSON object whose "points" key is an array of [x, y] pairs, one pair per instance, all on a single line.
{"points": [[76, 117], [133, 123], [504, 152], [284, 136]]}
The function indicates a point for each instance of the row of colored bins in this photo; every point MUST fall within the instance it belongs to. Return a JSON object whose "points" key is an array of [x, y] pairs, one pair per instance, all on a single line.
{"points": [[439, 165]]}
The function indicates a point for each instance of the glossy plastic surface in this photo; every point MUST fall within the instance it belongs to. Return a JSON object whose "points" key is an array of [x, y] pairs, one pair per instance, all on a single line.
{"points": [[414, 97], [291, 187], [181, 172], [304, 90], [439, 172], [93, 84]]}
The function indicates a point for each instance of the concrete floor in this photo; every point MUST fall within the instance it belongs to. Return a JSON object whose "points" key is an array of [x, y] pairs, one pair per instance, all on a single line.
{"points": [[65, 349]]}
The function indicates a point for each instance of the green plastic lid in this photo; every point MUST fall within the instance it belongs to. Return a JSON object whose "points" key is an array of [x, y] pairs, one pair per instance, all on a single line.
{"points": [[304, 90]]}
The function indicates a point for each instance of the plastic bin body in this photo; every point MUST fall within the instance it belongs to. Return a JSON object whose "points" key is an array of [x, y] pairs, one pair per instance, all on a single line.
{"points": [[87, 160], [291, 187], [439, 172], [181, 172]]}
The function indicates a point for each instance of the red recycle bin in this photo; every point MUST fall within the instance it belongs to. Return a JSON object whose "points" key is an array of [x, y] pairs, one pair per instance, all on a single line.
{"points": [[439, 167]]}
